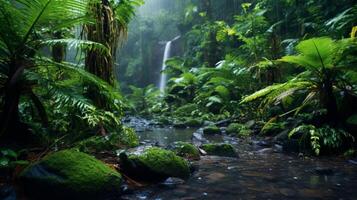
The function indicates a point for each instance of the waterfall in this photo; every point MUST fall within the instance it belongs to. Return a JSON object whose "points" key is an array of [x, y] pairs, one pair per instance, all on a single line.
{"points": [[163, 78], [167, 54]]}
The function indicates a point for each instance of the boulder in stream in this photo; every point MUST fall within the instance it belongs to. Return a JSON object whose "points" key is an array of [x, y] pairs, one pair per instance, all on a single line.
{"points": [[225, 150], [211, 130], [190, 122], [154, 165], [70, 174], [186, 150]]}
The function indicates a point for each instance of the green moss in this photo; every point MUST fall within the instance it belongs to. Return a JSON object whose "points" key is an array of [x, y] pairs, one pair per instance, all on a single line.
{"points": [[211, 130], [163, 162], [226, 150], [71, 174], [186, 150], [127, 138], [193, 122]]}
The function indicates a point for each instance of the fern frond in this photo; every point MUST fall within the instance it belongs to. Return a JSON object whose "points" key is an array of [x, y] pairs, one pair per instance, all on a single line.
{"points": [[77, 44]]}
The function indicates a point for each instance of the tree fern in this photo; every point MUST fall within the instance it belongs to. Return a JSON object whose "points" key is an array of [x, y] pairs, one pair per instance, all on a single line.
{"points": [[314, 53]]}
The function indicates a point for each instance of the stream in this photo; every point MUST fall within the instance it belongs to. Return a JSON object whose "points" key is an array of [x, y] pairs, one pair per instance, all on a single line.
{"points": [[258, 173]]}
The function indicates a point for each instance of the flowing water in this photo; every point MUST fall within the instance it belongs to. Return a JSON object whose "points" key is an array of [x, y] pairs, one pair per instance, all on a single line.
{"points": [[167, 54], [163, 78], [258, 173]]}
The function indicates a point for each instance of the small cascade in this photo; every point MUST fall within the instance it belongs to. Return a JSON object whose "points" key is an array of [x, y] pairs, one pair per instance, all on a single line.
{"points": [[163, 78], [167, 54]]}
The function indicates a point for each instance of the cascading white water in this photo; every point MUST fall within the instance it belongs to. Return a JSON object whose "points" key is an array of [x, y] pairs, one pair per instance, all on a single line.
{"points": [[167, 54], [163, 78]]}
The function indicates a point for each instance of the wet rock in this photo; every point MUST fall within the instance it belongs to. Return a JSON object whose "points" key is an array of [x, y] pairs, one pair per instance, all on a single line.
{"points": [[324, 171], [287, 192], [173, 181], [154, 165], [70, 174], [198, 139], [185, 150], [265, 151], [211, 130], [278, 148], [225, 122], [264, 143], [353, 161], [225, 150], [7, 193]]}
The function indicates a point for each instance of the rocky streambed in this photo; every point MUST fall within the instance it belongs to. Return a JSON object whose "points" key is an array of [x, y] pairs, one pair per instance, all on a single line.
{"points": [[261, 170], [186, 163]]}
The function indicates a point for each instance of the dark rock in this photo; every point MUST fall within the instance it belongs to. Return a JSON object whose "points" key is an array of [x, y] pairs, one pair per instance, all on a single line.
{"points": [[211, 130], [179, 125], [185, 150], [354, 161], [70, 174], [324, 171], [265, 151], [193, 123], [225, 122], [7, 193]]}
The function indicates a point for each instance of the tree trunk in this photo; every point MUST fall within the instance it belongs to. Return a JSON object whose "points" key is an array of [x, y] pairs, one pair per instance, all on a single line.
{"points": [[328, 101], [96, 62], [58, 50], [10, 120]]}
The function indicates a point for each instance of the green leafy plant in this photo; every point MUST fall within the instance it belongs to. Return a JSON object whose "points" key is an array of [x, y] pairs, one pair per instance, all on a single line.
{"points": [[321, 58], [322, 138]]}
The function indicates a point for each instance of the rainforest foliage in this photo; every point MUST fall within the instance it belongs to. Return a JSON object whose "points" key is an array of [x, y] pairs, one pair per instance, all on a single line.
{"points": [[288, 65], [70, 70]]}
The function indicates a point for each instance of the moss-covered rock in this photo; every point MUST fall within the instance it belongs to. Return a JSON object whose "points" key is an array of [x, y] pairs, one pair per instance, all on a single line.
{"points": [[193, 122], [211, 130], [239, 130], [225, 150], [70, 174], [186, 150], [127, 138], [154, 165]]}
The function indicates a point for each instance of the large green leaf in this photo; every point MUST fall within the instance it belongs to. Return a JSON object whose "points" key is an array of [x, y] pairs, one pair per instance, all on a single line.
{"points": [[314, 53]]}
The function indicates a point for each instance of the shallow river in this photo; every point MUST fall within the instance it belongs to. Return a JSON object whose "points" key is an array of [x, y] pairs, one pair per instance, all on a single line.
{"points": [[256, 174]]}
